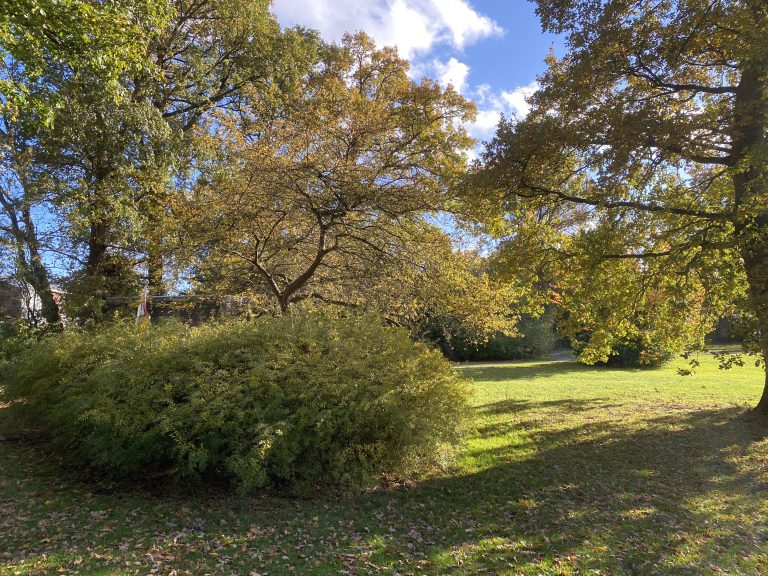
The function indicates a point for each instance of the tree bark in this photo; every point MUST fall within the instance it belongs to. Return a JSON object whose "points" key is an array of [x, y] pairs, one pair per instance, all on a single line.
{"points": [[97, 248], [37, 277], [755, 256], [750, 183], [155, 270], [32, 271], [762, 406]]}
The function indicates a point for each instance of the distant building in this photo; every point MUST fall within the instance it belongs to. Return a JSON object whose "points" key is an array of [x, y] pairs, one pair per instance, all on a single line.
{"points": [[187, 307], [19, 301]]}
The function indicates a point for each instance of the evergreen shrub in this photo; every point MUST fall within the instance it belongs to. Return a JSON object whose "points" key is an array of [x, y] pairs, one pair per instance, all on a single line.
{"points": [[296, 402]]}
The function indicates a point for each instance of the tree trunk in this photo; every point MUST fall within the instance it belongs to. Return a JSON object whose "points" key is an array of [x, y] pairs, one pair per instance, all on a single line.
{"points": [[762, 406], [755, 257], [37, 277], [284, 304], [97, 248], [33, 272], [750, 116], [93, 290], [155, 270]]}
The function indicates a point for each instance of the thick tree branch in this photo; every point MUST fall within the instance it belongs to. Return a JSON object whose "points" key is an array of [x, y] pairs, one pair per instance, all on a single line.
{"points": [[645, 207]]}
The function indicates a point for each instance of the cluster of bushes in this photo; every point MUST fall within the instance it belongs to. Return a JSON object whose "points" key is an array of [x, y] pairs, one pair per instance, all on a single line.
{"points": [[292, 402], [537, 336]]}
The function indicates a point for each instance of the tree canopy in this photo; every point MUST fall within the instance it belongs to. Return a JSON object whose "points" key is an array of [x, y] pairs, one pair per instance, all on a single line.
{"points": [[642, 165], [322, 194], [101, 102], [225, 155]]}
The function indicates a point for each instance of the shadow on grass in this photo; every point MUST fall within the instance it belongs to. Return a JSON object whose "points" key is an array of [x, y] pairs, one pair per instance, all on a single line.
{"points": [[522, 370], [526, 370], [664, 497], [511, 406], [529, 370]]}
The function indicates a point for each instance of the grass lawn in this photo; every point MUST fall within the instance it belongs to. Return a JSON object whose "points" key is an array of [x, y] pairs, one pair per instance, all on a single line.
{"points": [[571, 470]]}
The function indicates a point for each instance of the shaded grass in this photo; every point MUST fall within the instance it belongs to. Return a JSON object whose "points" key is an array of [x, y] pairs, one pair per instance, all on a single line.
{"points": [[570, 470]]}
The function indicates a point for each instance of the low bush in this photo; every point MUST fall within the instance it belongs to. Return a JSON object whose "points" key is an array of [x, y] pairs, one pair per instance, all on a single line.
{"points": [[637, 353], [294, 402]]}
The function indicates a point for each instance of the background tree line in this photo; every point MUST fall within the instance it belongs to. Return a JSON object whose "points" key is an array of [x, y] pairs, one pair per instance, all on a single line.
{"points": [[196, 146]]}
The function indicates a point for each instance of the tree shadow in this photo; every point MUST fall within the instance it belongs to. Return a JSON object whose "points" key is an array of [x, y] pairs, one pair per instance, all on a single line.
{"points": [[527, 370], [666, 499], [518, 370], [536, 413], [671, 495], [511, 406]]}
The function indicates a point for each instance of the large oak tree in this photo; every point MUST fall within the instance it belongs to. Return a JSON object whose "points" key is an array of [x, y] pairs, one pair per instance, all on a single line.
{"points": [[654, 125], [42, 41]]}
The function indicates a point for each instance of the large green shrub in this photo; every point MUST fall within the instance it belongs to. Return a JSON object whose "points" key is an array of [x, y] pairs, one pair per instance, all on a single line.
{"points": [[296, 402]]}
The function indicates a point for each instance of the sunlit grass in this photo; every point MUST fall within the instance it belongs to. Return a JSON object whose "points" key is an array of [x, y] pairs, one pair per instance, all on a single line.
{"points": [[569, 470]]}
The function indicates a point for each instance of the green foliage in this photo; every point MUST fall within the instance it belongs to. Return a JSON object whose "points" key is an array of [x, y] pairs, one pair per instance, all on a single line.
{"points": [[534, 336], [641, 169], [641, 350], [293, 402], [86, 294], [9, 344], [618, 312], [17, 336], [103, 109], [106, 39]]}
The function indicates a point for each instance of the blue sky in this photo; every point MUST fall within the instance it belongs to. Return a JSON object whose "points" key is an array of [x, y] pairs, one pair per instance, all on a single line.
{"points": [[490, 50]]}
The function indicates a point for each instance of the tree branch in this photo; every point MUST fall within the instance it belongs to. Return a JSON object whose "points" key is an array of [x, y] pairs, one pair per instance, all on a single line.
{"points": [[645, 207]]}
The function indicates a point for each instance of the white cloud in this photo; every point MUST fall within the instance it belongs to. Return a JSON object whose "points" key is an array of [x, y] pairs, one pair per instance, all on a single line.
{"points": [[452, 72], [480, 93], [485, 124], [404, 27], [492, 105], [414, 26], [465, 25], [516, 101]]}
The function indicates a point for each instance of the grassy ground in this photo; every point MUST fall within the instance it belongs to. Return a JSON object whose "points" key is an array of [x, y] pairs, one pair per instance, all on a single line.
{"points": [[571, 470]]}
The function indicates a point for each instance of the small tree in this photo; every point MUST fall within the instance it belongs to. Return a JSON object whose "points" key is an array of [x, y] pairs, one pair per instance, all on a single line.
{"points": [[322, 195]]}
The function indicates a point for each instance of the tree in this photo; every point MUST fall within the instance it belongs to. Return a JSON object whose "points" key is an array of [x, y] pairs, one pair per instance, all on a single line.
{"points": [[21, 195], [654, 123], [323, 193], [109, 135], [37, 37], [120, 158]]}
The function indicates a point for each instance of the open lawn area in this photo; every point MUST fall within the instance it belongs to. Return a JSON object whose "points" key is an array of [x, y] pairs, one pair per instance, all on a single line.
{"points": [[570, 470]]}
